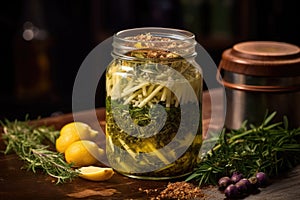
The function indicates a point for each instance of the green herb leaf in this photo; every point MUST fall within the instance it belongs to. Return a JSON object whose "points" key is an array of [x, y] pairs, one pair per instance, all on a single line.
{"points": [[30, 144], [270, 148]]}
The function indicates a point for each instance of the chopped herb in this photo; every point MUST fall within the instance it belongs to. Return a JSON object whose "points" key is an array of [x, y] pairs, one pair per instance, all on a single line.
{"points": [[145, 140], [136, 90]]}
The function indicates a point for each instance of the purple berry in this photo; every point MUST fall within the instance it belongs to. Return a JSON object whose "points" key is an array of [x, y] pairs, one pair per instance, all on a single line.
{"points": [[231, 191], [262, 179], [243, 186], [236, 176], [224, 182]]}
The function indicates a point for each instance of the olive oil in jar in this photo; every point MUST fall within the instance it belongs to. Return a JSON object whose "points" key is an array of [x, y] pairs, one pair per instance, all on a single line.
{"points": [[153, 104]]}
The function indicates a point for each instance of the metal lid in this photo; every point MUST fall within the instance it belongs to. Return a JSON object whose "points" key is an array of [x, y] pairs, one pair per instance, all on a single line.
{"points": [[262, 58]]}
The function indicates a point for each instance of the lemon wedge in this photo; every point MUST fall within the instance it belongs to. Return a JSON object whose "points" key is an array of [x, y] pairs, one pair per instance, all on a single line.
{"points": [[94, 173]]}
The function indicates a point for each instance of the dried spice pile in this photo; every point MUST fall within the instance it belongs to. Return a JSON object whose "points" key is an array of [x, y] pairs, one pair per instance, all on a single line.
{"points": [[178, 190]]}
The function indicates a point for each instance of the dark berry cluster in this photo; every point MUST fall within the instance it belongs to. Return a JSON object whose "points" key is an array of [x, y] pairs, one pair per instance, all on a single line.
{"points": [[237, 186]]}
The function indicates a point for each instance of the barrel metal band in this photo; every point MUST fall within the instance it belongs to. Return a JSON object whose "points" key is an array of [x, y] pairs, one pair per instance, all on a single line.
{"points": [[256, 88]]}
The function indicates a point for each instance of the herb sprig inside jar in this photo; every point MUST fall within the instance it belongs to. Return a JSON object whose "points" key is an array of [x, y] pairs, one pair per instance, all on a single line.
{"points": [[153, 104]]}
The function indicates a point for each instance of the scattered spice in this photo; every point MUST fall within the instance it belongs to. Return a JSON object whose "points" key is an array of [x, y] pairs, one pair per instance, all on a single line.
{"points": [[176, 45], [178, 190], [149, 38]]}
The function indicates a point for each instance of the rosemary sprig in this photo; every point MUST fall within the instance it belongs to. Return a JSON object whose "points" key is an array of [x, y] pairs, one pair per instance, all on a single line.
{"points": [[30, 144], [270, 148]]}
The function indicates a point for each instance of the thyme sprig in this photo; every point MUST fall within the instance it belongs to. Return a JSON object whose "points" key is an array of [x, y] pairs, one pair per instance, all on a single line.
{"points": [[269, 147], [32, 145]]}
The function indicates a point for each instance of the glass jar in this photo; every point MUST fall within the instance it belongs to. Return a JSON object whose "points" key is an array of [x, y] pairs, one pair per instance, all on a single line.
{"points": [[153, 103]]}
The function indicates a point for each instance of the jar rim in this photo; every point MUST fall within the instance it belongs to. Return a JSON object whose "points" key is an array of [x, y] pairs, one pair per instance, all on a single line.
{"points": [[180, 42], [176, 34]]}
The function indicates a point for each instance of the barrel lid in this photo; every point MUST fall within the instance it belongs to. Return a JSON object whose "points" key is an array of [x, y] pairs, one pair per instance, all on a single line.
{"points": [[262, 58]]}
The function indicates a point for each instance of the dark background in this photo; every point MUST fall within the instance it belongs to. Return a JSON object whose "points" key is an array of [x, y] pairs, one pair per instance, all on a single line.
{"points": [[75, 27]]}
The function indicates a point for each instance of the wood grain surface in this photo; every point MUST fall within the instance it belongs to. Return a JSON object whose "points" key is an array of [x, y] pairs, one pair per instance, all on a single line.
{"points": [[16, 183]]}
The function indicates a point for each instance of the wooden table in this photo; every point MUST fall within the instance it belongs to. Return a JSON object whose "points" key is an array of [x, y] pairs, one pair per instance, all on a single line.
{"points": [[21, 184]]}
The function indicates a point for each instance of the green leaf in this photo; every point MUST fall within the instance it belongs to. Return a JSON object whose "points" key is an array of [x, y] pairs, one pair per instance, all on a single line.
{"points": [[271, 148]]}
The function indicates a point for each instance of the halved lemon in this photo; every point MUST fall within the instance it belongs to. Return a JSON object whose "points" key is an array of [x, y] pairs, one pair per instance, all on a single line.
{"points": [[95, 173]]}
